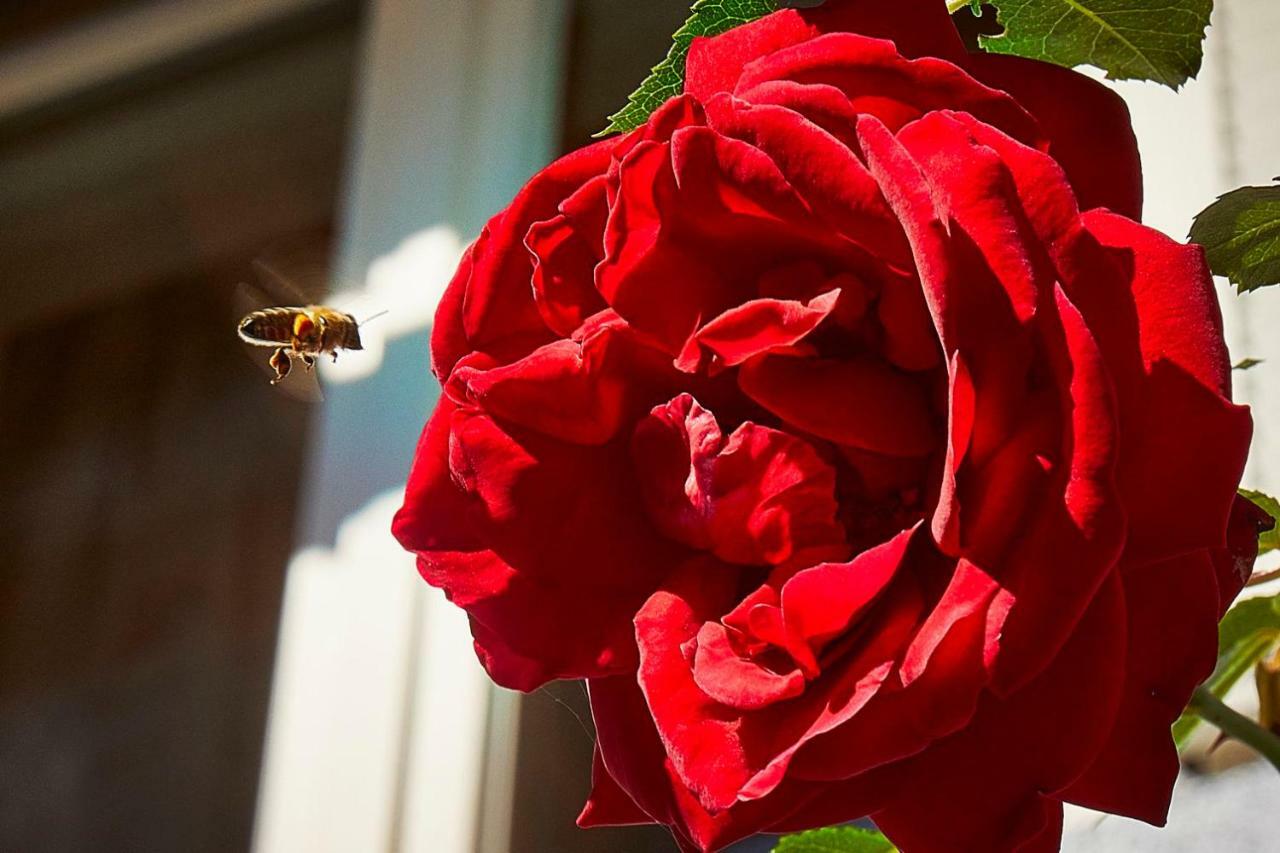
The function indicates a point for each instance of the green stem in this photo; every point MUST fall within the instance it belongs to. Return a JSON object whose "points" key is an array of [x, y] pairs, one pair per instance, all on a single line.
{"points": [[1231, 722], [954, 6]]}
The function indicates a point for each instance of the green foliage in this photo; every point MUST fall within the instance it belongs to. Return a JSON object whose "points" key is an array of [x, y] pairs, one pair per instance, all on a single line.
{"points": [[1268, 540], [666, 80], [1247, 363], [1156, 40], [1240, 233], [835, 839], [1249, 632]]}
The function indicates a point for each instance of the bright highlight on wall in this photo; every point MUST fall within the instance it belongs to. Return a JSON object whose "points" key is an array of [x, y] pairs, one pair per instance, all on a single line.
{"points": [[407, 284]]}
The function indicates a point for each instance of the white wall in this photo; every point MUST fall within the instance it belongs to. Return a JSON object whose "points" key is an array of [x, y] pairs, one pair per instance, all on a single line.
{"points": [[384, 731]]}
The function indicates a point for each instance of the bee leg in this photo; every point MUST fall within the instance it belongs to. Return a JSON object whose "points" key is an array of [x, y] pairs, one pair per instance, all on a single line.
{"points": [[308, 361], [335, 356], [281, 363]]}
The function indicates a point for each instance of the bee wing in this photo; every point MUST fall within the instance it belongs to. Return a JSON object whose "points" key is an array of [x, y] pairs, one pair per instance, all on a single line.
{"points": [[300, 384], [301, 286], [295, 270]]}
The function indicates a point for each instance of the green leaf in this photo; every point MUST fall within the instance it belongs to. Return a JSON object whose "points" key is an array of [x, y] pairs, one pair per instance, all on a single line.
{"points": [[666, 80], [1249, 632], [1156, 40], [835, 839], [1247, 363], [1240, 233], [1268, 540]]}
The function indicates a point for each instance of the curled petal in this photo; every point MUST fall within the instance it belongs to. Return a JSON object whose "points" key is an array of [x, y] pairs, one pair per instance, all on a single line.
{"points": [[581, 391], [759, 497], [755, 327]]}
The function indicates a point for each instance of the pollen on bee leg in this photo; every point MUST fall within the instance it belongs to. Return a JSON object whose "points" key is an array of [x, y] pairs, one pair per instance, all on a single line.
{"points": [[281, 363], [302, 326]]}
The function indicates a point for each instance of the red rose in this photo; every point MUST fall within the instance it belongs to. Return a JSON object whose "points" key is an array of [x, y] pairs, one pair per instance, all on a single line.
{"points": [[858, 470]]}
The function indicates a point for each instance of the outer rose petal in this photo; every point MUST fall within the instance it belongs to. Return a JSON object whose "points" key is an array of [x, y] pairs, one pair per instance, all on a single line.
{"points": [[609, 804], [581, 391], [1088, 127], [558, 532], [1172, 615], [1233, 564], [917, 27], [525, 645], [1135, 772], [633, 756], [448, 339], [498, 304], [1016, 751], [1178, 392], [1150, 303]]}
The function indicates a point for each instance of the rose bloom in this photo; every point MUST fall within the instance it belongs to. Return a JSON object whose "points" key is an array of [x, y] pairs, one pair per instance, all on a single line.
{"points": [[845, 431]]}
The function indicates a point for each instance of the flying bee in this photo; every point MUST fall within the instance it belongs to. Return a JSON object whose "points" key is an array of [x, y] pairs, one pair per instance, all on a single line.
{"points": [[302, 333]]}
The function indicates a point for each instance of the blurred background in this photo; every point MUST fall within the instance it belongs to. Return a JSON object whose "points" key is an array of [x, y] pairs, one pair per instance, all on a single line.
{"points": [[208, 640]]}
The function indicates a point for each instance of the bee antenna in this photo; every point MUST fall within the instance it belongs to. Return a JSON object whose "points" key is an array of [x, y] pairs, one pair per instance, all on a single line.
{"points": [[374, 317]]}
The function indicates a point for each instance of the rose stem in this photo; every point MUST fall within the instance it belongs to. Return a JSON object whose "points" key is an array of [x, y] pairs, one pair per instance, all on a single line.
{"points": [[1213, 710]]}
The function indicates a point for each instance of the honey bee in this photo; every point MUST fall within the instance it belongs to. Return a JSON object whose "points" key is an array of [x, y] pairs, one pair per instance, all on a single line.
{"points": [[302, 333]]}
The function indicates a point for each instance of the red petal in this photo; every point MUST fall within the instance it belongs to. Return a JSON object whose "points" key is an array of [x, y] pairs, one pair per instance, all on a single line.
{"points": [[724, 756], [1164, 346], [881, 83], [755, 327], [918, 27], [634, 757], [861, 402], [822, 602], [983, 789], [1079, 525], [609, 804], [498, 311], [725, 676], [1087, 124], [1172, 639], [562, 511], [448, 339], [518, 615], [578, 391], [566, 249], [563, 543], [1234, 563], [946, 668], [434, 514], [761, 497], [825, 172]]}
